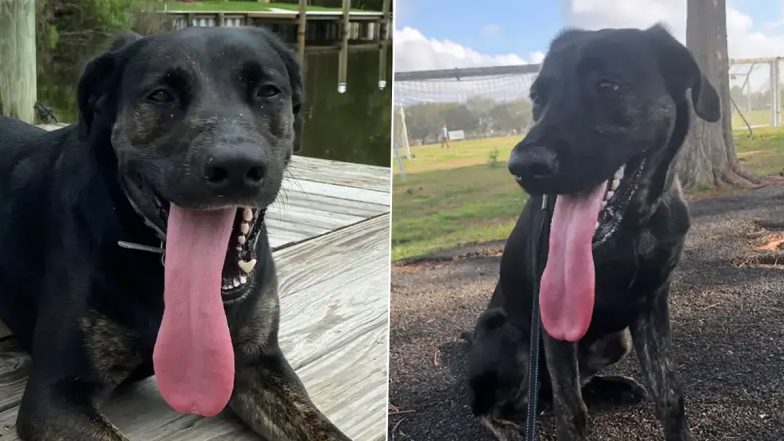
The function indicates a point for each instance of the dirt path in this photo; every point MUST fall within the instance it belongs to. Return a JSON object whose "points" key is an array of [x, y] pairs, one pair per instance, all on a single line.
{"points": [[728, 333]]}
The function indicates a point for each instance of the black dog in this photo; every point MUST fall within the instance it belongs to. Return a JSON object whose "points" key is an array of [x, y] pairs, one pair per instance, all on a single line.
{"points": [[611, 112], [183, 138]]}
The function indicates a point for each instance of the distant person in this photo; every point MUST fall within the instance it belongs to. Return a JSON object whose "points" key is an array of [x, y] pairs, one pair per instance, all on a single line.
{"points": [[444, 137]]}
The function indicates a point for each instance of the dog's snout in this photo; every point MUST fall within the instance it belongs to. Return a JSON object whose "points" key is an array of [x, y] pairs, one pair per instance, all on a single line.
{"points": [[535, 161], [235, 168]]}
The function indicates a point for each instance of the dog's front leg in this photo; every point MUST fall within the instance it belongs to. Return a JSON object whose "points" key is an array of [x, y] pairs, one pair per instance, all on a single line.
{"points": [[651, 337], [270, 398], [62, 412], [570, 411]]}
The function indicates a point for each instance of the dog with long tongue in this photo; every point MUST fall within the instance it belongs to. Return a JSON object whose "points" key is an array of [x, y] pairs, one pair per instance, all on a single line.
{"points": [[193, 356], [566, 294]]}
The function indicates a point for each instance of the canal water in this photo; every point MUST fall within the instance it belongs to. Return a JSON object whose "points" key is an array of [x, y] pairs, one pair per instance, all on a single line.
{"points": [[353, 126]]}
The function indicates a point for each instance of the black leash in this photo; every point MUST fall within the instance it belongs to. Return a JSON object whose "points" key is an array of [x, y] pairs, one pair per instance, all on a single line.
{"points": [[540, 257]]}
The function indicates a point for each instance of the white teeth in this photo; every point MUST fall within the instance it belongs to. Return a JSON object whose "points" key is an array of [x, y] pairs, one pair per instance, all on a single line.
{"points": [[241, 239], [609, 195], [615, 183], [236, 282], [596, 227], [247, 214], [619, 172], [244, 228], [247, 266], [238, 249], [227, 286], [243, 280], [604, 204]]}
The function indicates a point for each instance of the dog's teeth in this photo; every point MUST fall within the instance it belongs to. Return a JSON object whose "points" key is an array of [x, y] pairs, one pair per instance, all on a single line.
{"points": [[247, 266], [236, 282], [238, 249], [243, 280], [609, 196], [244, 228], [247, 214], [619, 172], [596, 227], [241, 239], [604, 204], [226, 287], [615, 183]]}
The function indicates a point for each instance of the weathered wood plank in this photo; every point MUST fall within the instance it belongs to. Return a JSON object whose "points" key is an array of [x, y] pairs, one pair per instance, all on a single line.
{"points": [[337, 191], [340, 173], [336, 205], [333, 330]]}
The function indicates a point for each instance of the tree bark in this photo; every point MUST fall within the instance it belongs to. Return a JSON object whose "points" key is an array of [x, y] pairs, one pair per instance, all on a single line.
{"points": [[17, 59], [708, 159]]}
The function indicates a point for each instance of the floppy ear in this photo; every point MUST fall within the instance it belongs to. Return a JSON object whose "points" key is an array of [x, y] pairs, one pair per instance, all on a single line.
{"points": [[289, 59], [681, 72], [99, 79]]}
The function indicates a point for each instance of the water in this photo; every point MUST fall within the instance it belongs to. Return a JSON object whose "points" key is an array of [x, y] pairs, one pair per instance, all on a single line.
{"points": [[352, 127]]}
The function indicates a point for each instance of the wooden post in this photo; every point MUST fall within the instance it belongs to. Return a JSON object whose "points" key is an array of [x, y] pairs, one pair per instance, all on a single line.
{"points": [[775, 93], [772, 93], [384, 28], [382, 65], [18, 91], [302, 28], [343, 61]]}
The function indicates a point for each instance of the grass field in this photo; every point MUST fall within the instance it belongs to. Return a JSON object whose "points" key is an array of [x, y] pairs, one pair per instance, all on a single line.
{"points": [[458, 197], [757, 117]]}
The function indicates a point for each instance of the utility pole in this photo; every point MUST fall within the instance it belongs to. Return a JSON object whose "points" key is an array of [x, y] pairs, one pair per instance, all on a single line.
{"points": [[18, 92]]}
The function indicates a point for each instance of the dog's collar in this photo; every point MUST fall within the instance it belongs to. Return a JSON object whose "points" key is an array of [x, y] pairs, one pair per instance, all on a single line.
{"points": [[162, 248]]}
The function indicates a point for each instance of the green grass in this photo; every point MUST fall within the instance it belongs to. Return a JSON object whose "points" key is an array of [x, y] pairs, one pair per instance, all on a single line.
{"points": [[455, 198], [763, 154], [229, 6], [755, 118]]}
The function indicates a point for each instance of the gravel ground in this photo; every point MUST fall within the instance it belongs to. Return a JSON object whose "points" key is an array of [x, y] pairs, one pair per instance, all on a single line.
{"points": [[727, 307]]}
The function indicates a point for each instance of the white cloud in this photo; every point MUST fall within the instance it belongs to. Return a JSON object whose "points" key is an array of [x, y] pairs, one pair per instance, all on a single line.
{"points": [[415, 51], [745, 38], [492, 31]]}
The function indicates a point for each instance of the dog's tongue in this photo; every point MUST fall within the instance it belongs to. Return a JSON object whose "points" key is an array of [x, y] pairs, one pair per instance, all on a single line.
{"points": [[193, 356], [567, 290]]}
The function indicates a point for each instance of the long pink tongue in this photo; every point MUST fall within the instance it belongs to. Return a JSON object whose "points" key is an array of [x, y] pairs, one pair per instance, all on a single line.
{"points": [[193, 356], [567, 290]]}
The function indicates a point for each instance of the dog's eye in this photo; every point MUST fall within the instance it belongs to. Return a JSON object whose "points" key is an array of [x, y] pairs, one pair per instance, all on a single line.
{"points": [[267, 91], [161, 96], [606, 86]]}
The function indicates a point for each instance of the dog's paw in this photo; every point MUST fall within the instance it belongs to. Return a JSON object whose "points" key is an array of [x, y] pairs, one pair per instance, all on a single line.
{"points": [[614, 390]]}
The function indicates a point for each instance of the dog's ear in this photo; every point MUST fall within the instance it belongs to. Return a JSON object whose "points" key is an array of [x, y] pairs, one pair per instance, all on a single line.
{"points": [[100, 78], [681, 72], [289, 59]]}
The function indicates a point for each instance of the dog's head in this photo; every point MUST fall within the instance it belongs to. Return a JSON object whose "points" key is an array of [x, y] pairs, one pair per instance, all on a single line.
{"points": [[204, 119], [496, 367], [606, 105]]}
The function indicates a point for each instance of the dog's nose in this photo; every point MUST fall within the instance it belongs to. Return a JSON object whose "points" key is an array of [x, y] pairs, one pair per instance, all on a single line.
{"points": [[235, 168], [533, 162]]}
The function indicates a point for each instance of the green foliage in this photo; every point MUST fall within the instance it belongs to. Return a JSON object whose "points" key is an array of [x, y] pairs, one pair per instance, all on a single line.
{"points": [[493, 158], [478, 116]]}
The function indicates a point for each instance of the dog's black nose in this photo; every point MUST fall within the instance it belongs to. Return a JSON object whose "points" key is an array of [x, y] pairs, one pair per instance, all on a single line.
{"points": [[235, 168], [533, 162]]}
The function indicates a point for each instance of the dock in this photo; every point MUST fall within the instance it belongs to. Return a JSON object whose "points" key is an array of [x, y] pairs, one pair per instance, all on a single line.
{"points": [[330, 231]]}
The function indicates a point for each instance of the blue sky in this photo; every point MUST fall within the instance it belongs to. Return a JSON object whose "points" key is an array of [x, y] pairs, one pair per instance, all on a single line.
{"points": [[462, 33], [497, 27]]}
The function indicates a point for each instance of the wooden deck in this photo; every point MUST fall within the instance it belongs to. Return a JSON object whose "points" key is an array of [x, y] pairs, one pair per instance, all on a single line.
{"points": [[330, 229]]}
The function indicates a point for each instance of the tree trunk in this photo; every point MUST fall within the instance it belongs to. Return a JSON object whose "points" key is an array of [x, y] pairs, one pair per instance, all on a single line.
{"points": [[17, 59], [709, 159]]}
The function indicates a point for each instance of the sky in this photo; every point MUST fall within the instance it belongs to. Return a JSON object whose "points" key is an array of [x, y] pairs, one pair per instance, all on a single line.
{"points": [[444, 34]]}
